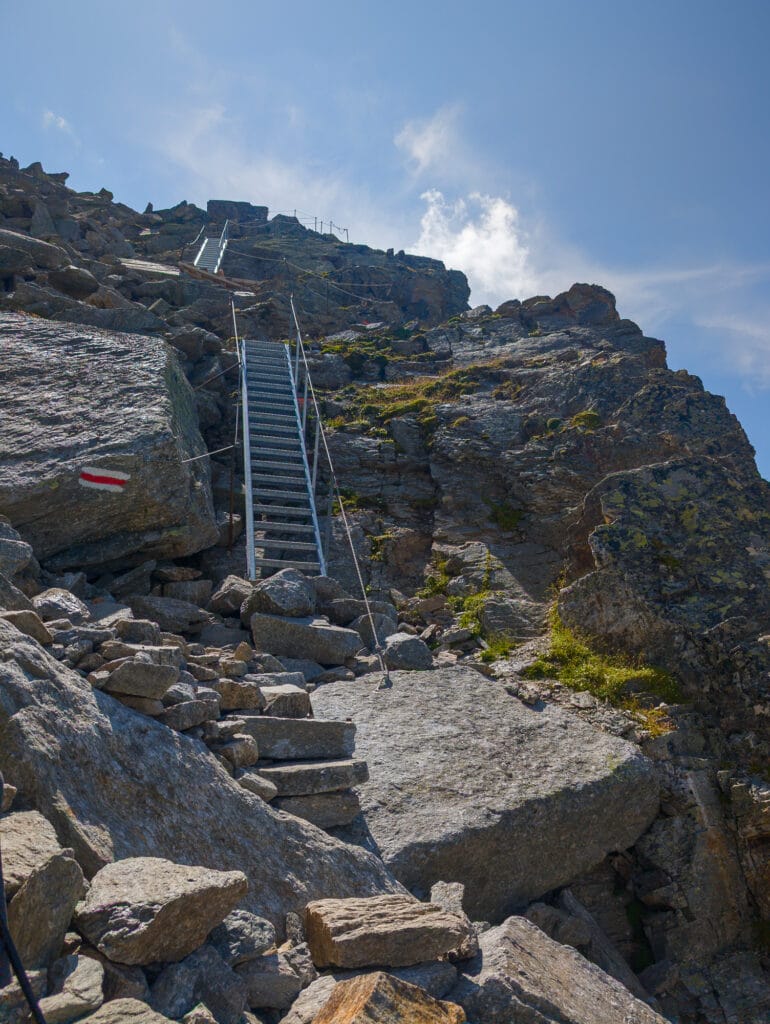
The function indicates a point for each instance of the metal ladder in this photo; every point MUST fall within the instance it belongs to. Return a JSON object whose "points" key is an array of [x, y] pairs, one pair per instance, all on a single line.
{"points": [[281, 521], [212, 251]]}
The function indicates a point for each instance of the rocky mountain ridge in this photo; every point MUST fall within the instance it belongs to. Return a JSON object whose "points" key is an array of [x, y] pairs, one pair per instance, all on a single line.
{"points": [[567, 548]]}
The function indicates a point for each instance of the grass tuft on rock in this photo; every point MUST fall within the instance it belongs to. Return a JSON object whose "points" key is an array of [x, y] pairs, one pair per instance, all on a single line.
{"points": [[609, 677]]}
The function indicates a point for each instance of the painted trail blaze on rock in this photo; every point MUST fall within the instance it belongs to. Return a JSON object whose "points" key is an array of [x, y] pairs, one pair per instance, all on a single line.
{"points": [[103, 479]]}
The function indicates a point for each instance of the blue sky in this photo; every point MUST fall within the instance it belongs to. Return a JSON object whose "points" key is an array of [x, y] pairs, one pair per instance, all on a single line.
{"points": [[528, 144]]}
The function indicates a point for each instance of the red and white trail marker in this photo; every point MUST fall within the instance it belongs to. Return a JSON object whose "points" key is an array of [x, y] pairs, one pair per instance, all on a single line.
{"points": [[103, 479]]}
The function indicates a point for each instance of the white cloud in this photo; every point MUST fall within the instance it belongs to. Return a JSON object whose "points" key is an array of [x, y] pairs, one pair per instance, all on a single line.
{"points": [[749, 346], [433, 143], [57, 122], [480, 235]]}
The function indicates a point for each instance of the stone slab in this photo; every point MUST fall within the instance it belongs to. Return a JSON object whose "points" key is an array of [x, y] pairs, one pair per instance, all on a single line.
{"points": [[290, 739], [303, 778], [468, 784]]}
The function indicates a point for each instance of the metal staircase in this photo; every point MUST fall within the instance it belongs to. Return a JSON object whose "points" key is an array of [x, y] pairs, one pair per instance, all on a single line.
{"points": [[281, 520], [212, 251]]}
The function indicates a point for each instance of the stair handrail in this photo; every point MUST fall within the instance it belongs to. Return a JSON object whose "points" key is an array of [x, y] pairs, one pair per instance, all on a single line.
{"points": [[305, 465], [223, 238], [251, 555]]}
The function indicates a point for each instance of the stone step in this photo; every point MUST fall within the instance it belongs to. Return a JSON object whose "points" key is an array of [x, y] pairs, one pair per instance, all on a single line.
{"points": [[306, 778], [297, 739], [326, 810]]}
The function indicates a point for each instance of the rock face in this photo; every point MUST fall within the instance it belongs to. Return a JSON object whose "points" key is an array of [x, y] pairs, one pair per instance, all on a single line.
{"points": [[382, 999], [147, 802], [383, 931], [145, 909], [107, 402], [522, 975], [468, 784]]}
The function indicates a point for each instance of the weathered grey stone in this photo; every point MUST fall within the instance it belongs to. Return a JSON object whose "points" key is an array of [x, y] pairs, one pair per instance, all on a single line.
{"points": [[56, 603], [172, 615], [287, 700], [257, 784], [271, 982], [141, 679], [521, 974], [314, 639], [76, 282], [76, 989], [403, 651], [230, 595], [382, 931], [144, 705], [14, 1008], [326, 810], [125, 1011], [84, 417], [189, 713], [29, 622], [136, 581], [202, 977], [242, 936], [288, 592], [371, 998], [15, 553], [28, 841], [291, 739], [40, 912], [305, 778], [311, 670], [197, 592], [384, 626], [145, 909], [11, 597], [50, 716], [138, 631], [241, 750], [436, 978], [514, 806], [235, 694]]}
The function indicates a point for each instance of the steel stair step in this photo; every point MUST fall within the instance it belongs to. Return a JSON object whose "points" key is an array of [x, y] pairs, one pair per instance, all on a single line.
{"points": [[261, 466], [268, 417], [289, 545], [284, 563], [269, 524], [285, 510], [267, 493], [284, 453]]}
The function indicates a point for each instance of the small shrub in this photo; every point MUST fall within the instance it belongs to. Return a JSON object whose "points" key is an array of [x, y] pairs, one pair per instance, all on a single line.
{"points": [[505, 516], [588, 419], [498, 647], [436, 579]]}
